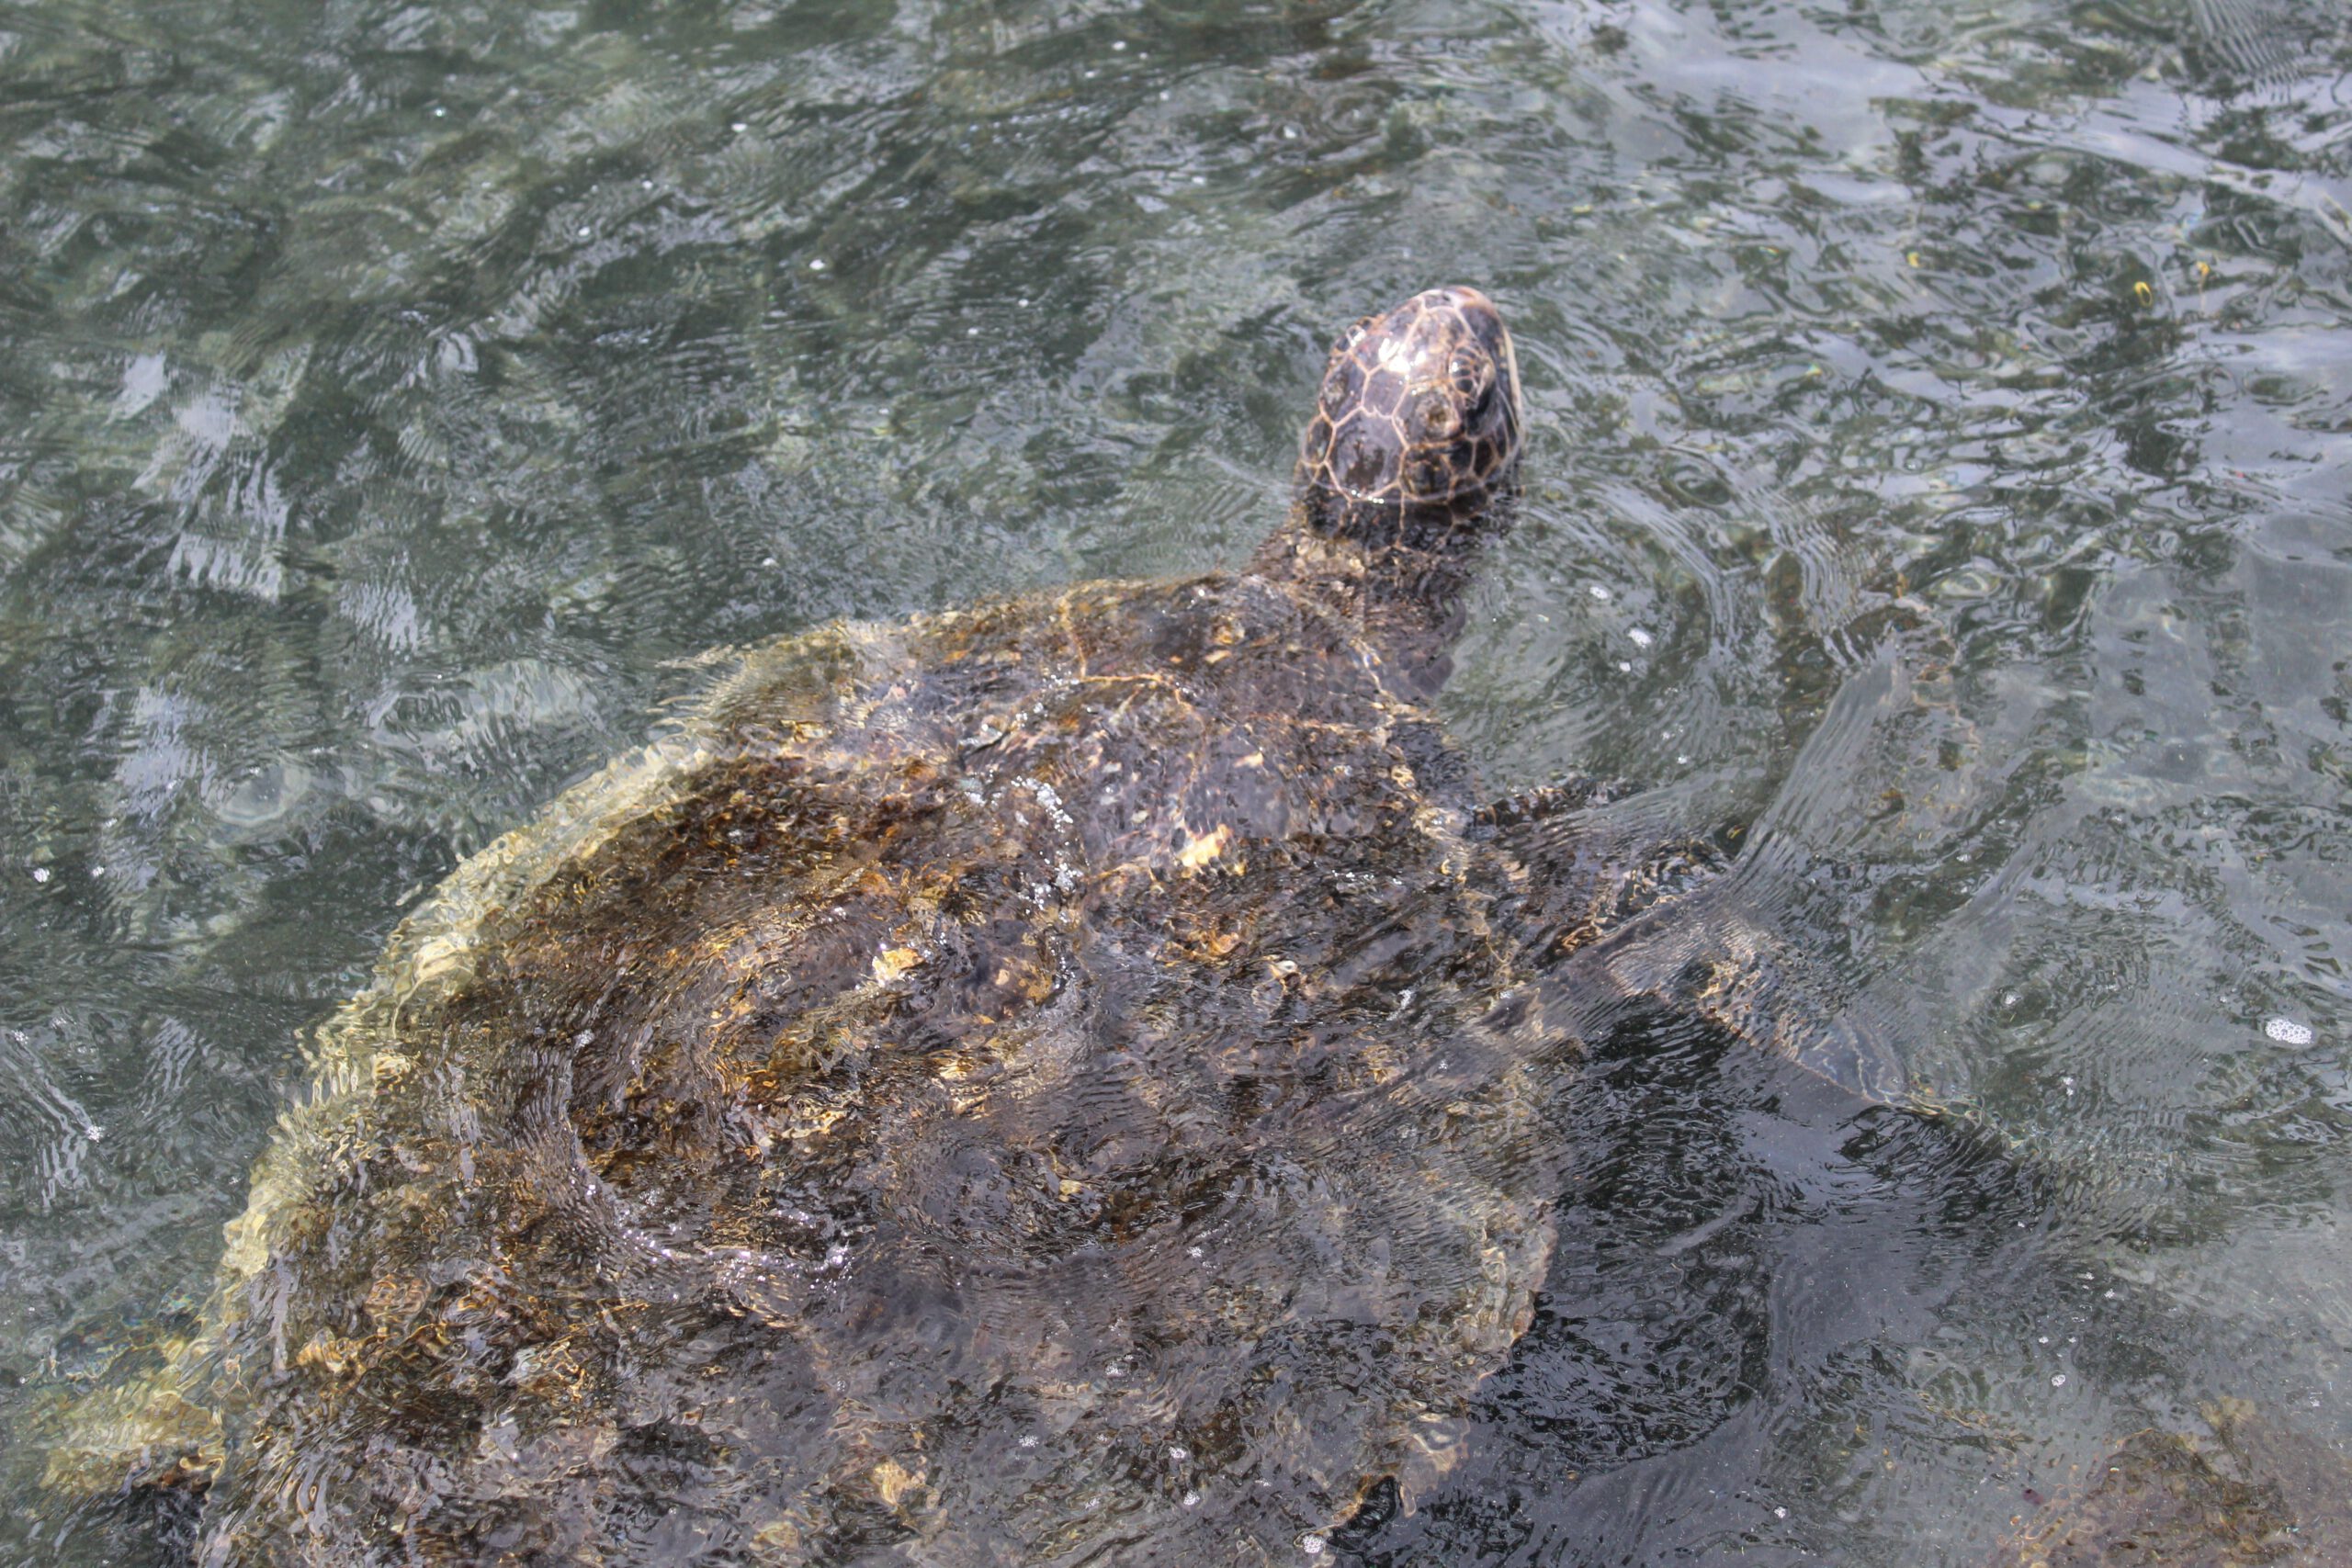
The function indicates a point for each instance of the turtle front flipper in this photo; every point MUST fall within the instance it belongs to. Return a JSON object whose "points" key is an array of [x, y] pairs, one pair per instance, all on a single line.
{"points": [[1614, 910], [1707, 957]]}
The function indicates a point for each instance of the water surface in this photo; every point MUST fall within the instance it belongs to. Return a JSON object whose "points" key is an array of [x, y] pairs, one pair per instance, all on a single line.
{"points": [[1940, 448]]}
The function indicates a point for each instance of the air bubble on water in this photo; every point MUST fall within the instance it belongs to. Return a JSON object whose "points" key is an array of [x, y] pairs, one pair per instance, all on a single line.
{"points": [[1192, 1252], [97, 871], [583, 230], [1028, 1439], [1780, 1513], [1625, 666], [1290, 133], [1200, 179], [1191, 1499], [439, 111], [2287, 1032], [41, 874], [1180, 1454], [816, 263], [1639, 638], [2059, 1380], [739, 127], [1311, 1544], [1118, 46], [94, 1132], [1598, 592]]}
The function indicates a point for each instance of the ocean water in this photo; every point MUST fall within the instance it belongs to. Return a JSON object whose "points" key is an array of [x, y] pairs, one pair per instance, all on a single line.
{"points": [[1939, 415]]}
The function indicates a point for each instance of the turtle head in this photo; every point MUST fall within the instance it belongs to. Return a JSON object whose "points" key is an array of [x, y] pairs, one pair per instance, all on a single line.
{"points": [[1419, 408], [1413, 447]]}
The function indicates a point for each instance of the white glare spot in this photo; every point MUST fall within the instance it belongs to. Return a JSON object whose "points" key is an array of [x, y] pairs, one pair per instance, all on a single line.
{"points": [[739, 127], [1191, 1499], [1780, 1513], [1682, 762], [647, 184], [438, 112], [41, 874], [94, 1132], [1200, 179], [1023, 303], [1028, 1439], [1290, 133], [2043, 1340], [2058, 1382], [1179, 1455], [1639, 638], [2287, 1032], [1598, 592], [1118, 46], [1311, 1544], [1192, 1252], [1625, 666], [97, 871], [817, 265], [583, 230], [971, 331], [584, 1038], [1163, 94], [767, 560]]}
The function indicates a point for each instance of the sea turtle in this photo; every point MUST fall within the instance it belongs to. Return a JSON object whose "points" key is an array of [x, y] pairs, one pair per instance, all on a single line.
{"points": [[1065, 1080]]}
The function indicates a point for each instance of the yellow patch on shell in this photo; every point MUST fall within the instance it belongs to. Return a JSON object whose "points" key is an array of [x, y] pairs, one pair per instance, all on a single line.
{"points": [[1206, 848], [894, 1481], [894, 962]]}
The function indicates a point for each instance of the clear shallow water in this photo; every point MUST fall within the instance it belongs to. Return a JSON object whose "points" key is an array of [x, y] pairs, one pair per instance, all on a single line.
{"points": [[1940, 448]]}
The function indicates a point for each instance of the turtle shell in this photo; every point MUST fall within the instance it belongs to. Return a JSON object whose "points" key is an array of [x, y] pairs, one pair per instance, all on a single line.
{"points": [[1041, 1083]]}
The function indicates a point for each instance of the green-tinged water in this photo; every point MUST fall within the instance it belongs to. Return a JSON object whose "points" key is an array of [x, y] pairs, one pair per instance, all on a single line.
{"points": [[1940, 428]]}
